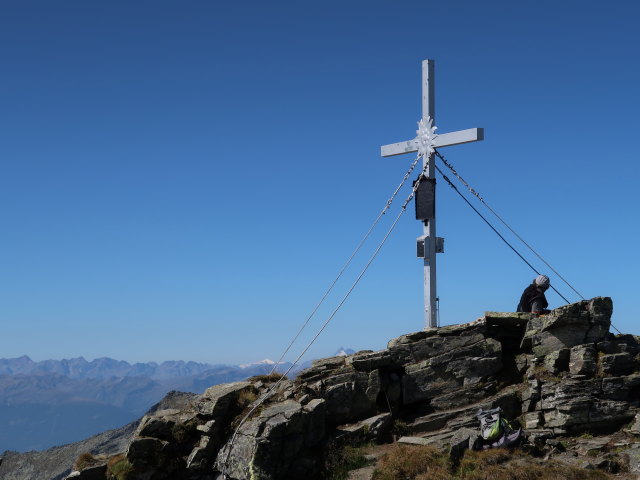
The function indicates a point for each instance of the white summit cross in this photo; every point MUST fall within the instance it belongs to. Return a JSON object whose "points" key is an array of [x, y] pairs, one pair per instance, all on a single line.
{"points": [[429, 244]]}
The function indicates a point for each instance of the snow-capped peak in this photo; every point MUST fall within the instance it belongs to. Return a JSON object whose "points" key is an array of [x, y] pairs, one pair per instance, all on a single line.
{"points": [[266, 361], [343, 352]]}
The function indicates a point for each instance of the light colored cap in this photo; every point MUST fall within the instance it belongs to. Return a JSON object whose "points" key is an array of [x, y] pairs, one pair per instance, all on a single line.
{"points": [[542, 281]]}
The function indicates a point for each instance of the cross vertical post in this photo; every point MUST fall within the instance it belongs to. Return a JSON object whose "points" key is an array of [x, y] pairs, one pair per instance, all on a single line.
{"points": [[430, 286], [429, 245]]}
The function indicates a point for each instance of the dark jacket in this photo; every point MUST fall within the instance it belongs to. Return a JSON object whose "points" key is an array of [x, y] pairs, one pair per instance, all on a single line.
{"points": [[530, 295]]}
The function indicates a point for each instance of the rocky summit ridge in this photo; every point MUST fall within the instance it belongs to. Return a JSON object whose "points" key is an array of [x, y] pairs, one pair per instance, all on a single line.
{"points": [[571, 384]]}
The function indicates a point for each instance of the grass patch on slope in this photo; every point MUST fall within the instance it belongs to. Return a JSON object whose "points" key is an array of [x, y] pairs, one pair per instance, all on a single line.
{"points": [[119, 468], [408, 462], [340, 461]]}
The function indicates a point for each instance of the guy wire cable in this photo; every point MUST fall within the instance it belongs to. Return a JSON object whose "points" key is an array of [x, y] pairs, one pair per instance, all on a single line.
{"points": [[494, 229], [326, 323], [470, 188], [492, 211], [347, 263]]}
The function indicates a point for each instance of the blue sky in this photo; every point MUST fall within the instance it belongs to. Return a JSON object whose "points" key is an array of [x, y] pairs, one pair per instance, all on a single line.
{"points": [[182, 180]]}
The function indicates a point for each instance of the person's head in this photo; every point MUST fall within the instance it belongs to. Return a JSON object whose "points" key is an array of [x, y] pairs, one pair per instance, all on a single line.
{"points": [[541, 282]]}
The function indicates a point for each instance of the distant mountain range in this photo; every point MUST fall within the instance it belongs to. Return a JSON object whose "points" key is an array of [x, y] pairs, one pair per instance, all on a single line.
{"points": [[100, 368], [53, 402]]}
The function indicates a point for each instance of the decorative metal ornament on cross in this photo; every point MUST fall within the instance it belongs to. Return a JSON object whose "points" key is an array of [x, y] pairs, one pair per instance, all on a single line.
{"points": [[426, 138]]}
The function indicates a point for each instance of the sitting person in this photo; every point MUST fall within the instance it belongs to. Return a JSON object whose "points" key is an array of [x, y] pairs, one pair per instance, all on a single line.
{"points": [[533, 299]]}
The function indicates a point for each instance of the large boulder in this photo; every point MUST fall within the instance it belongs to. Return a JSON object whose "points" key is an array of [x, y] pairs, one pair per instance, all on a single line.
{"points": [[583, 360], [579, 323], [574, 406], [454, 370], [266, 447]]}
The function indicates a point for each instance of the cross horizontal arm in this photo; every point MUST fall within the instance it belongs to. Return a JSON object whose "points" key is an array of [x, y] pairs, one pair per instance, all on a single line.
{"points": [[442, 140]]}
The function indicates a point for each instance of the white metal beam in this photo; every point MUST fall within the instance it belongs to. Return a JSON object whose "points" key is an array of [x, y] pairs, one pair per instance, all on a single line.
{"points": [[442, 140], [429, 229]]}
